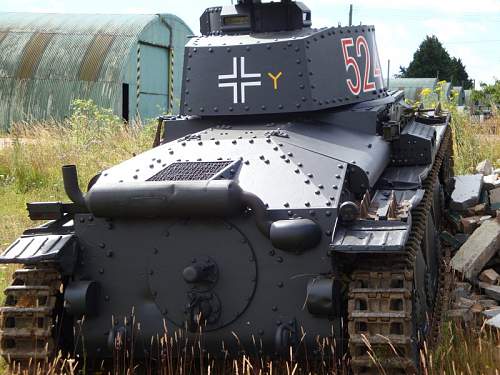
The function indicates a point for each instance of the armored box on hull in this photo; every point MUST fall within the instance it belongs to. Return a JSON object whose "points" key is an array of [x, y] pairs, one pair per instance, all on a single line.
{"points": [[293, 196]]}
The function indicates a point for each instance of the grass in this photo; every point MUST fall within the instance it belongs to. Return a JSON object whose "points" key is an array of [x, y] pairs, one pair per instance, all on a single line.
{"points": [[94, 140]]}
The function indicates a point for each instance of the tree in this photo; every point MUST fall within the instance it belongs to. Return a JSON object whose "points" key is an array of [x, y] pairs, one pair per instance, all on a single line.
{"points": [[432, 60], [488, 95], [459, 76]]}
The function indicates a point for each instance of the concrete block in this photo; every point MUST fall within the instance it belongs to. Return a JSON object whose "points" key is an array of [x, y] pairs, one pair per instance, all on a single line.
{"points": [[458, 315], [476, 308], [477, 210], [494, 322], [485, 167], [489, 276], [490, 313], [488, 303], [467, 192], [491, 181], [495, 198], [479, 248], [492, 291], [463, 303], [469, 224], [462, 289]]}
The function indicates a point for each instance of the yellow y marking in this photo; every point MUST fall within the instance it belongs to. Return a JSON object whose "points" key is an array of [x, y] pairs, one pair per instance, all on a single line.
{"points": [[275, 79]]}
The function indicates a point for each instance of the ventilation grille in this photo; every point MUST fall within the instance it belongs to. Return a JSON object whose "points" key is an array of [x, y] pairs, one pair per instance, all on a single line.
{"points": [[190, 171]]}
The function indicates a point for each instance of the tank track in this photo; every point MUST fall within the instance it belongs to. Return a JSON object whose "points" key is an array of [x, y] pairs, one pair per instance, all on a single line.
{"points": [[381, 295], [28, 318]]}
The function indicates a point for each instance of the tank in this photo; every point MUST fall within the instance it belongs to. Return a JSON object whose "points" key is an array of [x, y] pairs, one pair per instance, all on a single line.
{"points": [[295, 199]]}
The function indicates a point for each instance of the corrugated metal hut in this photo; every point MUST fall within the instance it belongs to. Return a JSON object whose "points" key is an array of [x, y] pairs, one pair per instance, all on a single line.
{"points": [[468, 98], [412, 86], [129, 63], [446, 91], [458, 95]]}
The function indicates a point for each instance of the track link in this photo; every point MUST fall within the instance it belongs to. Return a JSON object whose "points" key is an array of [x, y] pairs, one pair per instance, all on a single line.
{"points": [[382, 337], [27, 318]]}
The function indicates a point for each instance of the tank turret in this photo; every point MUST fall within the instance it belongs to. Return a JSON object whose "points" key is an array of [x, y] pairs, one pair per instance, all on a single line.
{"points": [[264, 58]]}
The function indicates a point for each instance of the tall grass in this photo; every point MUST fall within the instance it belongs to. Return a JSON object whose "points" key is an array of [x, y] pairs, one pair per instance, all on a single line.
{"points": [[94, 139], [474, 142]]}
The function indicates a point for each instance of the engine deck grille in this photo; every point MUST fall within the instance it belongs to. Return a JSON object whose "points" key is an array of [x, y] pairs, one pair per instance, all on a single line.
{"points": [[190, 171]]}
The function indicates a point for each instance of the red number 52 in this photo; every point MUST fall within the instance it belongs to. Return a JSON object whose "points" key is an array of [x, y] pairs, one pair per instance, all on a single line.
{"points": [[355, 87]]}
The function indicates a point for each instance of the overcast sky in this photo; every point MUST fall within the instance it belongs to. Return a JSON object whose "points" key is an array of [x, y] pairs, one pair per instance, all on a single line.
{"points": [[468, 29]]}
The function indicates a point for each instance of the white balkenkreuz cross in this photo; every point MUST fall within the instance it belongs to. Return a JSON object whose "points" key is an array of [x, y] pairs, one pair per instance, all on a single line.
{"points": [[239, 80]]}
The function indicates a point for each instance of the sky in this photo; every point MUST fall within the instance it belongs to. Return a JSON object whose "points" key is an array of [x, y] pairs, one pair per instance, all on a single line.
{"points": [[469, 30]]}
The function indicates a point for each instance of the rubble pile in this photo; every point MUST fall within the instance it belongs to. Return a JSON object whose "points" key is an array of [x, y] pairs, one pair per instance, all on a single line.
{"points": [[474, 218]]}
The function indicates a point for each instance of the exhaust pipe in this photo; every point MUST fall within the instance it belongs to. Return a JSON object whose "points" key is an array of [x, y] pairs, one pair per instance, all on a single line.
{"points": [[70, 179]]}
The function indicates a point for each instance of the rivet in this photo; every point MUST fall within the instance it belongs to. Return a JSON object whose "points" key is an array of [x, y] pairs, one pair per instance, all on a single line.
{"points": [[297, 171], [286, 204], [290, 213], [109, 254], [307, 181], [340, 166], [307, 204], [317, 192], [328, 213], [337, 176], [335, 187], [310, 175], [101, 271], [312, 213], [320, 186], [102, 245], [266, 161], [106, 298], [155, 251], [274, 308], [234, 141], [369, 145], [280, 284], [135, 177], [272, 252], [332, 198], [299, 164]]}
